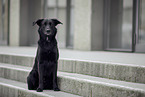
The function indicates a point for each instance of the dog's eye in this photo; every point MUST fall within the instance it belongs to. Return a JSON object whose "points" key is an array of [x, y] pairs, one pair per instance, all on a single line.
{"points": [[45, 23], [50, 24]]}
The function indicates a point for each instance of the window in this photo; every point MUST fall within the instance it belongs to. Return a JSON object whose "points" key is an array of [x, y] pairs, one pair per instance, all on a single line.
{"points": [[141, 36], [140, 26], [118, 24], [4, 22], [62, 10]]}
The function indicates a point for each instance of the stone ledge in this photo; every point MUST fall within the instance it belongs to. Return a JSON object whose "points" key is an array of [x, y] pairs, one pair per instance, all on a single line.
{"points": [[9, 88], [79, 84], [124, 72]]}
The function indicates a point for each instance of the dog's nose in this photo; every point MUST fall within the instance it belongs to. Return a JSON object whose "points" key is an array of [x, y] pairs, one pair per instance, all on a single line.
{"points": [[48, 30]]}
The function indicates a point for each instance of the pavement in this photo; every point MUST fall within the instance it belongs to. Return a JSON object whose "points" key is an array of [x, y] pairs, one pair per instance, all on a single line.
{"points": [[95, 56]]}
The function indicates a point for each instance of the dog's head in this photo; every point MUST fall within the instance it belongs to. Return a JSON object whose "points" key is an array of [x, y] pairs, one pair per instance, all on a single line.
{"points": [[47, 27]]}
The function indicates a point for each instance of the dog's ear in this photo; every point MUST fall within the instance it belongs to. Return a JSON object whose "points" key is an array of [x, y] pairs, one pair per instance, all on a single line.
{"points": [[38, 22], [56, 22]]}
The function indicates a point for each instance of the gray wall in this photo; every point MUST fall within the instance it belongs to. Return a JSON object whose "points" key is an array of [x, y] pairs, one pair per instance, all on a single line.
{"points": [[35, 12], [14, 22], [97, 24], [82, 22], [88, 34], [24, 22]]}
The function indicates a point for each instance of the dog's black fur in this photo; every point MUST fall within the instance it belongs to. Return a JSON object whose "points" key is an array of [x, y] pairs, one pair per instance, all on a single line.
{"points": [[44, 72]]}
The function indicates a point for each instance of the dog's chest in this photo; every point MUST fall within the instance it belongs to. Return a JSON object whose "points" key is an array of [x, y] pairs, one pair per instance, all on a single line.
{"points": [[47, 51], [48, 56], [49, 46]]}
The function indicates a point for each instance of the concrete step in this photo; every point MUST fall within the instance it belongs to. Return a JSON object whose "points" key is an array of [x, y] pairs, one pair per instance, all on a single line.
{"points": [[116, 71], [10, 88], [83, 85]]}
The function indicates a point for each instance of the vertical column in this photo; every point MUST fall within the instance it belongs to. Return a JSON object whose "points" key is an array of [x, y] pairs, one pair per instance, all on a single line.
{"points": [[82, 22], [88, 34], [14, 22]]}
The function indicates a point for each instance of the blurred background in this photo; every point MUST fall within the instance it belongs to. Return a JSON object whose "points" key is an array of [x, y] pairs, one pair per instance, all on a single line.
{"points": [[92, 25]]}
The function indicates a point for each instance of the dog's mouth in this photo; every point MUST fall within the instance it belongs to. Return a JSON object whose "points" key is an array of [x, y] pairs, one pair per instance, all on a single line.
{"points": [[47, 32]]}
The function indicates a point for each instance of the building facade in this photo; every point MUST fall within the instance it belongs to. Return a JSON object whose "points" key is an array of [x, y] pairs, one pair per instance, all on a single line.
{"points": [[116, 25]]}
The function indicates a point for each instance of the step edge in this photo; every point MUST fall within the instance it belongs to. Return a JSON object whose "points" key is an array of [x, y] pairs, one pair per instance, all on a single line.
{"points": [[61, 74], [23, 89], [80, 60]]}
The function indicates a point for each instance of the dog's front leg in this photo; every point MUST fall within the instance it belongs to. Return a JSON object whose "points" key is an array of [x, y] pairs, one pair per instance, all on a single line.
{"points": [[55, 86], [40, 71]]}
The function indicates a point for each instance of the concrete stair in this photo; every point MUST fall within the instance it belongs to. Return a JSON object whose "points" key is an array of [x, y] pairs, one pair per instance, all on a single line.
{"points": [[11, 88], [75, 77], [116, 71], [13, 82]]}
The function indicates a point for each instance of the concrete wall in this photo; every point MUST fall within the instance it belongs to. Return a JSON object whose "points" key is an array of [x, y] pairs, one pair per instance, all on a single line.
{"points": [[97, 17], [14, 23], [23, 22], [82, 22], [35, 12], [88, 34]]}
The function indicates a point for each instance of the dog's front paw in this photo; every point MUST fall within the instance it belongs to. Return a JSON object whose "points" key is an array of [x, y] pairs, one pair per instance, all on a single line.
{"points": [[39, 89], [56, 89]]}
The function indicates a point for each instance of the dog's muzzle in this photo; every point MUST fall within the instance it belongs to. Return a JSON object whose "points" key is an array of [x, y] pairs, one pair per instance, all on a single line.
{"points": [[48, 32]]}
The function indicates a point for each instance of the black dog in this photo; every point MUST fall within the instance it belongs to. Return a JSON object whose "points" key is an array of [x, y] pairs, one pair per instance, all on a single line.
{"points": [[44, 72]]}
